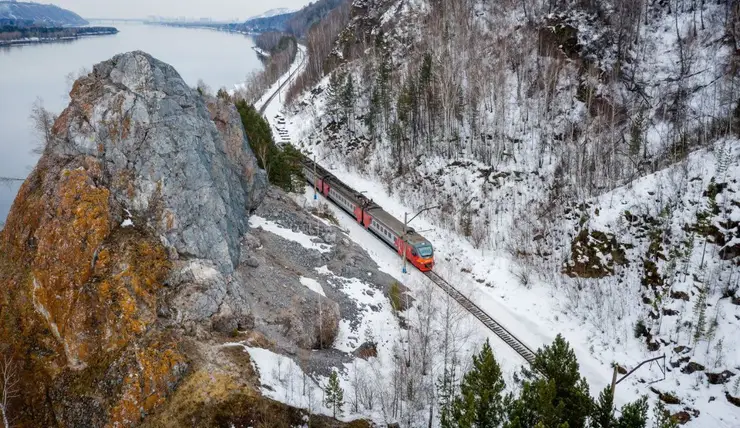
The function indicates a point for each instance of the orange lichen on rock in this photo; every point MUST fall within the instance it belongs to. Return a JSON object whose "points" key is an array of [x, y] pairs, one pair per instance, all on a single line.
{"points": [[75, 286], [66, 243], [151, 377]]}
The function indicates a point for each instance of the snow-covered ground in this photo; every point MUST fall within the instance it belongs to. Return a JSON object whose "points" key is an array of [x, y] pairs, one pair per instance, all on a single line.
{"points": [[261, 52], [305, 240], [535, 313]]}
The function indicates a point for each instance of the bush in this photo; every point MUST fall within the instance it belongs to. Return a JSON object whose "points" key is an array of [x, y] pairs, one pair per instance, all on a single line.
{"points": [[395, 296], [641, 329]]}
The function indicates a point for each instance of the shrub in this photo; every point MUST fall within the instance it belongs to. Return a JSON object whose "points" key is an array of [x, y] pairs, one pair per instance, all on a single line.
{"points": [[641, 329], [395, 295]]}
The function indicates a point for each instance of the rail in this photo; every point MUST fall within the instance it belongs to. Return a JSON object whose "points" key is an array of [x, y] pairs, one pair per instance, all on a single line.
{"points": [[500, 331], [288, 80]]}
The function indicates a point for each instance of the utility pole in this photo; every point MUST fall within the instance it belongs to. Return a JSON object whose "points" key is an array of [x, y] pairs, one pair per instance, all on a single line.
{"points": [[315, 197], [403, 247], [614, 376], [614, 380]]}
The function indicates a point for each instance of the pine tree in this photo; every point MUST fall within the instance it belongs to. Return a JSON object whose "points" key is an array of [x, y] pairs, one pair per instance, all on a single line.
{"points": [[700, 311], [636, 134], [446, 392], [536, 406], [334, 397], [603, 414], [334, 92], [480, 403], [348, 99], [559, 397], [558, 363], [283, 167], [662, 418], [371, 118], [634, 415]]}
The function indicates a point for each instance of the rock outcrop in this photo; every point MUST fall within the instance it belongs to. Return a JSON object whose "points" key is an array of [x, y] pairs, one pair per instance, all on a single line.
{"points": [[163, 158], [142, 187]]}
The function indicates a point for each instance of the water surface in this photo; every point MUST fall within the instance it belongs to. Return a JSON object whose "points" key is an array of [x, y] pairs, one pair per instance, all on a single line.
{"points": [[29, 72]]}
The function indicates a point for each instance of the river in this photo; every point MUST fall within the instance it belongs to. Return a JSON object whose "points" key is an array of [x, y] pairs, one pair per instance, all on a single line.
{"points": [[40, 71]]}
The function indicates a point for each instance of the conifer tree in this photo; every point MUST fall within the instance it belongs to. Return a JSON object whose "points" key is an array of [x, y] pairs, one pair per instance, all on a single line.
{"points": [[334, 396], [480, 403], [559, 397], [700, 311], [603, 414], [348, 99], [371, 118], [535, 406], [446, 394], [662, 418], [634, 415], [334, 98]]}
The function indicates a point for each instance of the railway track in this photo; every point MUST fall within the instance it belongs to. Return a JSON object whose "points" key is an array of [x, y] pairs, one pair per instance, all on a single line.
{"points": [[288, 80], [511, 340]]}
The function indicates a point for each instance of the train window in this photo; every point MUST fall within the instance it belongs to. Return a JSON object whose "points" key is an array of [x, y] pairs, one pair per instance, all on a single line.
{"points": [[425, 251]]}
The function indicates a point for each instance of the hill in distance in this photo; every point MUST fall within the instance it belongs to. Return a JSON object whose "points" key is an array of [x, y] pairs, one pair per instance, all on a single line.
{"points": [[273, 12], [28, 14]]}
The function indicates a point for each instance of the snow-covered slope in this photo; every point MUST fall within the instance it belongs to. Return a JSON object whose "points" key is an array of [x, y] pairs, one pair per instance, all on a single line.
{"points": [[587, 168], [273, 12], [38, 14]]}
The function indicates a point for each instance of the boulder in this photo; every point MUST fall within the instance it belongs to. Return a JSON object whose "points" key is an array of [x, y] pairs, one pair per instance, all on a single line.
{"points": [[732, 400], [692, 367], [720, 378], [366, 351]]}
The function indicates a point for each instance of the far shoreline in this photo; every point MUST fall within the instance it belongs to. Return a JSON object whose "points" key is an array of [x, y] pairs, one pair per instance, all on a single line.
{"points": [[33, 40]]}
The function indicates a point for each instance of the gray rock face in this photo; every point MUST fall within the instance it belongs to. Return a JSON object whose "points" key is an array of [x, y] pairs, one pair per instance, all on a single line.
{"points": [[179, 162]]}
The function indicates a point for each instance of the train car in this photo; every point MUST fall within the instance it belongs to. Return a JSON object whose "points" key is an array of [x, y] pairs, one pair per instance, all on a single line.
{"points": [[419, 251]]}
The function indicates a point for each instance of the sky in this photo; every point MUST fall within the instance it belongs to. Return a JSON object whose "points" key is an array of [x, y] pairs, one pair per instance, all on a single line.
{"points": [[216, 9]]}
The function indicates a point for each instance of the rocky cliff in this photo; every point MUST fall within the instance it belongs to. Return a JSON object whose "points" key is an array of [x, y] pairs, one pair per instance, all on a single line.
{"points": [[127, 264], [137, 186]]}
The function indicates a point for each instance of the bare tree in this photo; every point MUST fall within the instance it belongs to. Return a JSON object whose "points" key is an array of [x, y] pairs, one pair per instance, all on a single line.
{"points": [[203, 87], [43, 124], [9, 382]]}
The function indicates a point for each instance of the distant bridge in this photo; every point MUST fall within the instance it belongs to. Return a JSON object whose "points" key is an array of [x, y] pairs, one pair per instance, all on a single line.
{"points": [[116, 20]]}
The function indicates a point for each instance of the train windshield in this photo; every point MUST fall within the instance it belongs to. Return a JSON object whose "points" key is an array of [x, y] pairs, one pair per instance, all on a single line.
{"points": [[425, 250]]}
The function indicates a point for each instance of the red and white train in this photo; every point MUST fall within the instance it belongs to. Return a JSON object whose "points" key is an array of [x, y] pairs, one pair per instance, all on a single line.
{"points": [[371, 216]]}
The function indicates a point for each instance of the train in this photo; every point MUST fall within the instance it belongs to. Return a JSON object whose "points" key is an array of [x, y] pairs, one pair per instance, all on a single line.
{"points": [[371, 216]]}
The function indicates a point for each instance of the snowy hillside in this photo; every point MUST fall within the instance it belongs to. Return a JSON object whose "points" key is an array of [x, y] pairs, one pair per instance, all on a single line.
{"points": [[273, 12], [38, 14], [586, 160]]}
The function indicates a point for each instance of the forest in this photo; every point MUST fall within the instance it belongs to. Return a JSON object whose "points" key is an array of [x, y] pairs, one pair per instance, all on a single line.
{"points": [[590, 146], [12, 32]]}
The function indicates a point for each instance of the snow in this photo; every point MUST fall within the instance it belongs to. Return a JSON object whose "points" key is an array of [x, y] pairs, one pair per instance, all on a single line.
{"points": [[312, 285], [284, 380], [296, 68], [273, 12], [306, 241], [127, 223], [261, 52]]}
